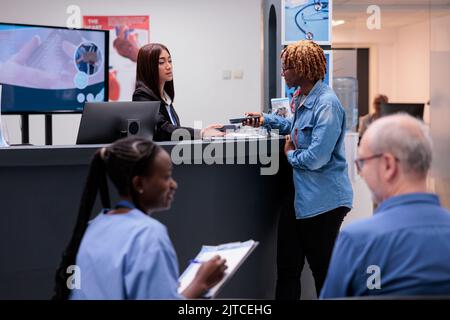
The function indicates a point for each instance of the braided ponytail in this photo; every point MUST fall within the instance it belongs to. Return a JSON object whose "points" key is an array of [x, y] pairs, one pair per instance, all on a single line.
{"points": [[121, 161], [96, 181]]}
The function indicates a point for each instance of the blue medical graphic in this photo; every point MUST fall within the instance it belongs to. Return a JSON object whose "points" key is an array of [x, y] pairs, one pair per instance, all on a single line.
{"points": [[308, 21]]}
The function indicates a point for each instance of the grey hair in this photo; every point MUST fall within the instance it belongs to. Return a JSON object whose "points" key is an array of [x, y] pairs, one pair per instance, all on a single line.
{"points": [[405, 137]]}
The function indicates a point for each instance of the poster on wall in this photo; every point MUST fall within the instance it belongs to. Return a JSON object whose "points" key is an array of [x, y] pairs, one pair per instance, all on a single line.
{"points": [[289, 92], [306, 20], [127, 35]]}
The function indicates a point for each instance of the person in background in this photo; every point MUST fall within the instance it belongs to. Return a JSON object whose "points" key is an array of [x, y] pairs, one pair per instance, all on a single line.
{"points": [[366, 120], [314, 148], [124, 253], [154, 82], [404, 248]]}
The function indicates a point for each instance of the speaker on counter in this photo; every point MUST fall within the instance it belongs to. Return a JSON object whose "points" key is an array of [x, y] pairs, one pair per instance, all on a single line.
{"points": [[130, 127]]}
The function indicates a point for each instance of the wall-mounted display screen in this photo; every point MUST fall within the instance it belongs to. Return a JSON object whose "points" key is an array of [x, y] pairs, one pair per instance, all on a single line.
{"points": [[47, 69]]}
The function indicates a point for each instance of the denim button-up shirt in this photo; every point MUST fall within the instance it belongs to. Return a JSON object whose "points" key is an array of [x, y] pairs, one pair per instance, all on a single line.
{"points": [[320, 169]]}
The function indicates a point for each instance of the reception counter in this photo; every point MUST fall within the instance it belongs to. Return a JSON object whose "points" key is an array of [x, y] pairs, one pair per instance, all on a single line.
{"points": [[223, 195]]}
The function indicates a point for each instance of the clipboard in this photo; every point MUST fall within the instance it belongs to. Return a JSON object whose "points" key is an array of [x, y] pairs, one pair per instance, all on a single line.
{"points": [[235, 254]]}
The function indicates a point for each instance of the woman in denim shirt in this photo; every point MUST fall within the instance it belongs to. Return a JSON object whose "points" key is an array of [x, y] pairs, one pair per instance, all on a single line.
{"points": [[315, 149]]}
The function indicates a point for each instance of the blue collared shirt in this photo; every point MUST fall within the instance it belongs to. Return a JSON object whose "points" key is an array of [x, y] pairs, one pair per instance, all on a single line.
{"points": [[406, 242], [320, 169], [126, 256]]}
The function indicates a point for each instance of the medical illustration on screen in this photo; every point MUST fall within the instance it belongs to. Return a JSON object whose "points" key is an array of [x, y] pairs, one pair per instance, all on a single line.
{"points": [[50, 69]]}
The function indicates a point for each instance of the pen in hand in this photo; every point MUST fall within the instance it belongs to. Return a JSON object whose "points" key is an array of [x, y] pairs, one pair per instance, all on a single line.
{"points": [[195, 261]]}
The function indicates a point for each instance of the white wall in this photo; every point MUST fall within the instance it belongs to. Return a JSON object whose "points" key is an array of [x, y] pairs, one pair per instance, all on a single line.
{"points": [[399, 68], [205, 37], [399, 59], [413, 63], [440, 105], [404, 66]]}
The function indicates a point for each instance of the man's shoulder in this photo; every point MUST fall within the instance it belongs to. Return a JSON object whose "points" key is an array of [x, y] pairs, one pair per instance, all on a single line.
{"points": [[369, 229], [392, 220], [360, 228]]}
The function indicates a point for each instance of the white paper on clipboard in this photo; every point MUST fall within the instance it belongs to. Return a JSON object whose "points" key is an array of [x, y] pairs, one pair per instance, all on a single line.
{"points": [[235, 254]]}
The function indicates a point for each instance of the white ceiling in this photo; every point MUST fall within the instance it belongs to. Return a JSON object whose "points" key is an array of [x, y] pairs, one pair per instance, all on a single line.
{"points": [[394, 13]]}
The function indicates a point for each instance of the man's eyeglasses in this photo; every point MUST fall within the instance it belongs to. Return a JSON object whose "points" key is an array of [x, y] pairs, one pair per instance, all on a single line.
{"points": [[360, 161], [284, 69]]}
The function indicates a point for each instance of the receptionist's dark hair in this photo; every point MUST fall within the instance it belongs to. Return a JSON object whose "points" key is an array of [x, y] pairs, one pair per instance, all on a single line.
{"points": [[147, 69]]}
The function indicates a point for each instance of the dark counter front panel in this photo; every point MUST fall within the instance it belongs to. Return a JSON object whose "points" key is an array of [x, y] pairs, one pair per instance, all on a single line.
{"points": [[40, 191]]}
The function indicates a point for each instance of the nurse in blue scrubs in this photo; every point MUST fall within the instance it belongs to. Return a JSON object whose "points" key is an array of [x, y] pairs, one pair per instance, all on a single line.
{"points": [[124, 253]]}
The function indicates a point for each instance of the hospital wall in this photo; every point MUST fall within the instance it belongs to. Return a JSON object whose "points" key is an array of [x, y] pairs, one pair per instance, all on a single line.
{"points": [[399, 60], [205, 37], [440, 107], [410, 64]]}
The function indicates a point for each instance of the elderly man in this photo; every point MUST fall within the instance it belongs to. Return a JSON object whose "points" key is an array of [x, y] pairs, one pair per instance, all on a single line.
{"points": [[404, 249]]}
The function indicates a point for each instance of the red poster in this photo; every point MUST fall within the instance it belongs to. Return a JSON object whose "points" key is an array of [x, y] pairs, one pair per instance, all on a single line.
{"points": [[127, 35]]}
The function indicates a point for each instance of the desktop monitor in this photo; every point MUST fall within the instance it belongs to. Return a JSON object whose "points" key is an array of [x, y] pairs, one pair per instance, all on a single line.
{"points": [[105, 122], [413, 109], [46, 69]]}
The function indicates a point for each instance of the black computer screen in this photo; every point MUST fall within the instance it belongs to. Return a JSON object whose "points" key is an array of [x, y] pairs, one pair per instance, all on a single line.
{"points": [[413, 109], [105, 122], [47, 69]]}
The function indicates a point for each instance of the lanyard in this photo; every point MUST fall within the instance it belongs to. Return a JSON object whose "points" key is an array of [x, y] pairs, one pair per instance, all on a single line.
{"points": [[124, 204], [301, 100], [171, 115]]}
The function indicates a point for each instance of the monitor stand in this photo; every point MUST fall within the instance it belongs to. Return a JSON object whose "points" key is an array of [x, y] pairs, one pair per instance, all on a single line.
{"points": [[48, 130], [25, 129]]}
